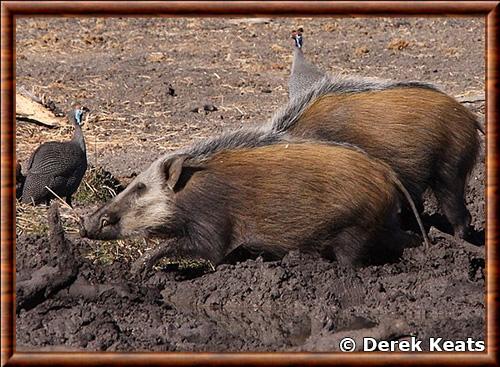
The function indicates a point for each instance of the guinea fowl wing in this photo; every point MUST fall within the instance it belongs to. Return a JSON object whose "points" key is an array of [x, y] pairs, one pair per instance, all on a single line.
{"points": [[57, 159], [59, 166]]}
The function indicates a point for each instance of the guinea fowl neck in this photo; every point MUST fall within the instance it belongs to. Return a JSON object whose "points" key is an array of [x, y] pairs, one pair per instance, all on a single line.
{"points": [[78, 134], [298, 57]]}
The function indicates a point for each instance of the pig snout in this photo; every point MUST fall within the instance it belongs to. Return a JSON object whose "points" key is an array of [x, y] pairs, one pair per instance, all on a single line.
{"points": [[88, 227], [83, 230], [99, 226]]}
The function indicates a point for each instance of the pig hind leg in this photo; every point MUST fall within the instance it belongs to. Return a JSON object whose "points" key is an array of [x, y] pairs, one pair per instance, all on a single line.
{"points": [[452, 201], [388, 243], [452, 174], [449, 189], [347, 246], [357, 245], [408, 220]]}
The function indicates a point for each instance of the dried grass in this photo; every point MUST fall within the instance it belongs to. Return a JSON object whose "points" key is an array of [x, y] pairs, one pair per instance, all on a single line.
{"points": [[107, 252], [98, 186], [33, 219]]}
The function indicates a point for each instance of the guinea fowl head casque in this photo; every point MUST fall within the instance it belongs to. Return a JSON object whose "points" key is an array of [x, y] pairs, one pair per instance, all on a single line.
{"points": [[297, 37]]}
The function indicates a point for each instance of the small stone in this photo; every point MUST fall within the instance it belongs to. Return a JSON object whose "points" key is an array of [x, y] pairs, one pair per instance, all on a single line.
{"points": [[171, 91], [209, 107]]}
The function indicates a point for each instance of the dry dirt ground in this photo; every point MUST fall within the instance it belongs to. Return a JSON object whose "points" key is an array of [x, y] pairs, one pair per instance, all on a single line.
{"points": [[152, 85]]}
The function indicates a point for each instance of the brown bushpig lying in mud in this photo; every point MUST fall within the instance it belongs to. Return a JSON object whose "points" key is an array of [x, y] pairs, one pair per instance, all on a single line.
{"points": [[427, 137], [328, 198]]}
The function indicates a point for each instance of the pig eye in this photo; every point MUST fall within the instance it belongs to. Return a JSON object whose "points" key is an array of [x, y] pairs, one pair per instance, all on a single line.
{"points": [[140, 186], [104, 222]]}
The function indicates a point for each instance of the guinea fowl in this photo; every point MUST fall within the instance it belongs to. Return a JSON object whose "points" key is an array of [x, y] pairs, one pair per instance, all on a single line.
{"points": [[58, 165], [303, 73]]}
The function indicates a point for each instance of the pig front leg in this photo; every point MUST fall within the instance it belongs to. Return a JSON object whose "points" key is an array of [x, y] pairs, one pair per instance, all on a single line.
{"points": [[145, 263], [174, 248]]}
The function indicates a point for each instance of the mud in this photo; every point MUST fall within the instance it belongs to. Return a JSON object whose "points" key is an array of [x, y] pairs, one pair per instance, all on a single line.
{"points": [[299, 303]]}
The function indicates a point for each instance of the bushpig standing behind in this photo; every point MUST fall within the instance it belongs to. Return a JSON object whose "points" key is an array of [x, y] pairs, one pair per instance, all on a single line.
{"points": [[426, 136], [315, 197]]}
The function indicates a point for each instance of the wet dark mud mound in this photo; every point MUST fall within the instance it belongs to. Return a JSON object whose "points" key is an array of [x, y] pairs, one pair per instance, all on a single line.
{"points": [[312, 300], [301, 302]]}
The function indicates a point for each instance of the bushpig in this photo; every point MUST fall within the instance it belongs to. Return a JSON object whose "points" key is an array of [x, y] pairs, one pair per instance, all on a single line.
{"points": [[426, 136], [274, 198]]}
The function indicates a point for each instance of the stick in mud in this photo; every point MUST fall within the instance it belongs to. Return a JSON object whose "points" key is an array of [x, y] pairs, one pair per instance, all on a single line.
{"points": [[49, 279]]}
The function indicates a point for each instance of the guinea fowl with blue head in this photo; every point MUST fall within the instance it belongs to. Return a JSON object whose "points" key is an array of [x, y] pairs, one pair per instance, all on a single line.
{"points": [[60, 166], [303, 74]]}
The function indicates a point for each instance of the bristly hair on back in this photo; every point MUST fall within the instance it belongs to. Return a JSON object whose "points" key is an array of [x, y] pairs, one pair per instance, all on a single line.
{"points": [[287, 116], [244, 137]]}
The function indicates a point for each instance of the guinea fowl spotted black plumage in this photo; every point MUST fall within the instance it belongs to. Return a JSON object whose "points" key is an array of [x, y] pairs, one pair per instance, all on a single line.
{"points": [[19, 180], [58, 165], [303, 74]]}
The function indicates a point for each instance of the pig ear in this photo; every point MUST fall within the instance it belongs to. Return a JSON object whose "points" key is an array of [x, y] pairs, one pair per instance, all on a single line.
{"points": [[173, 169]]}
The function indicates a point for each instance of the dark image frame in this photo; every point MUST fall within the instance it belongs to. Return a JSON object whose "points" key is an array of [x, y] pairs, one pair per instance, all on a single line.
{"points": [[11, 9]]}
